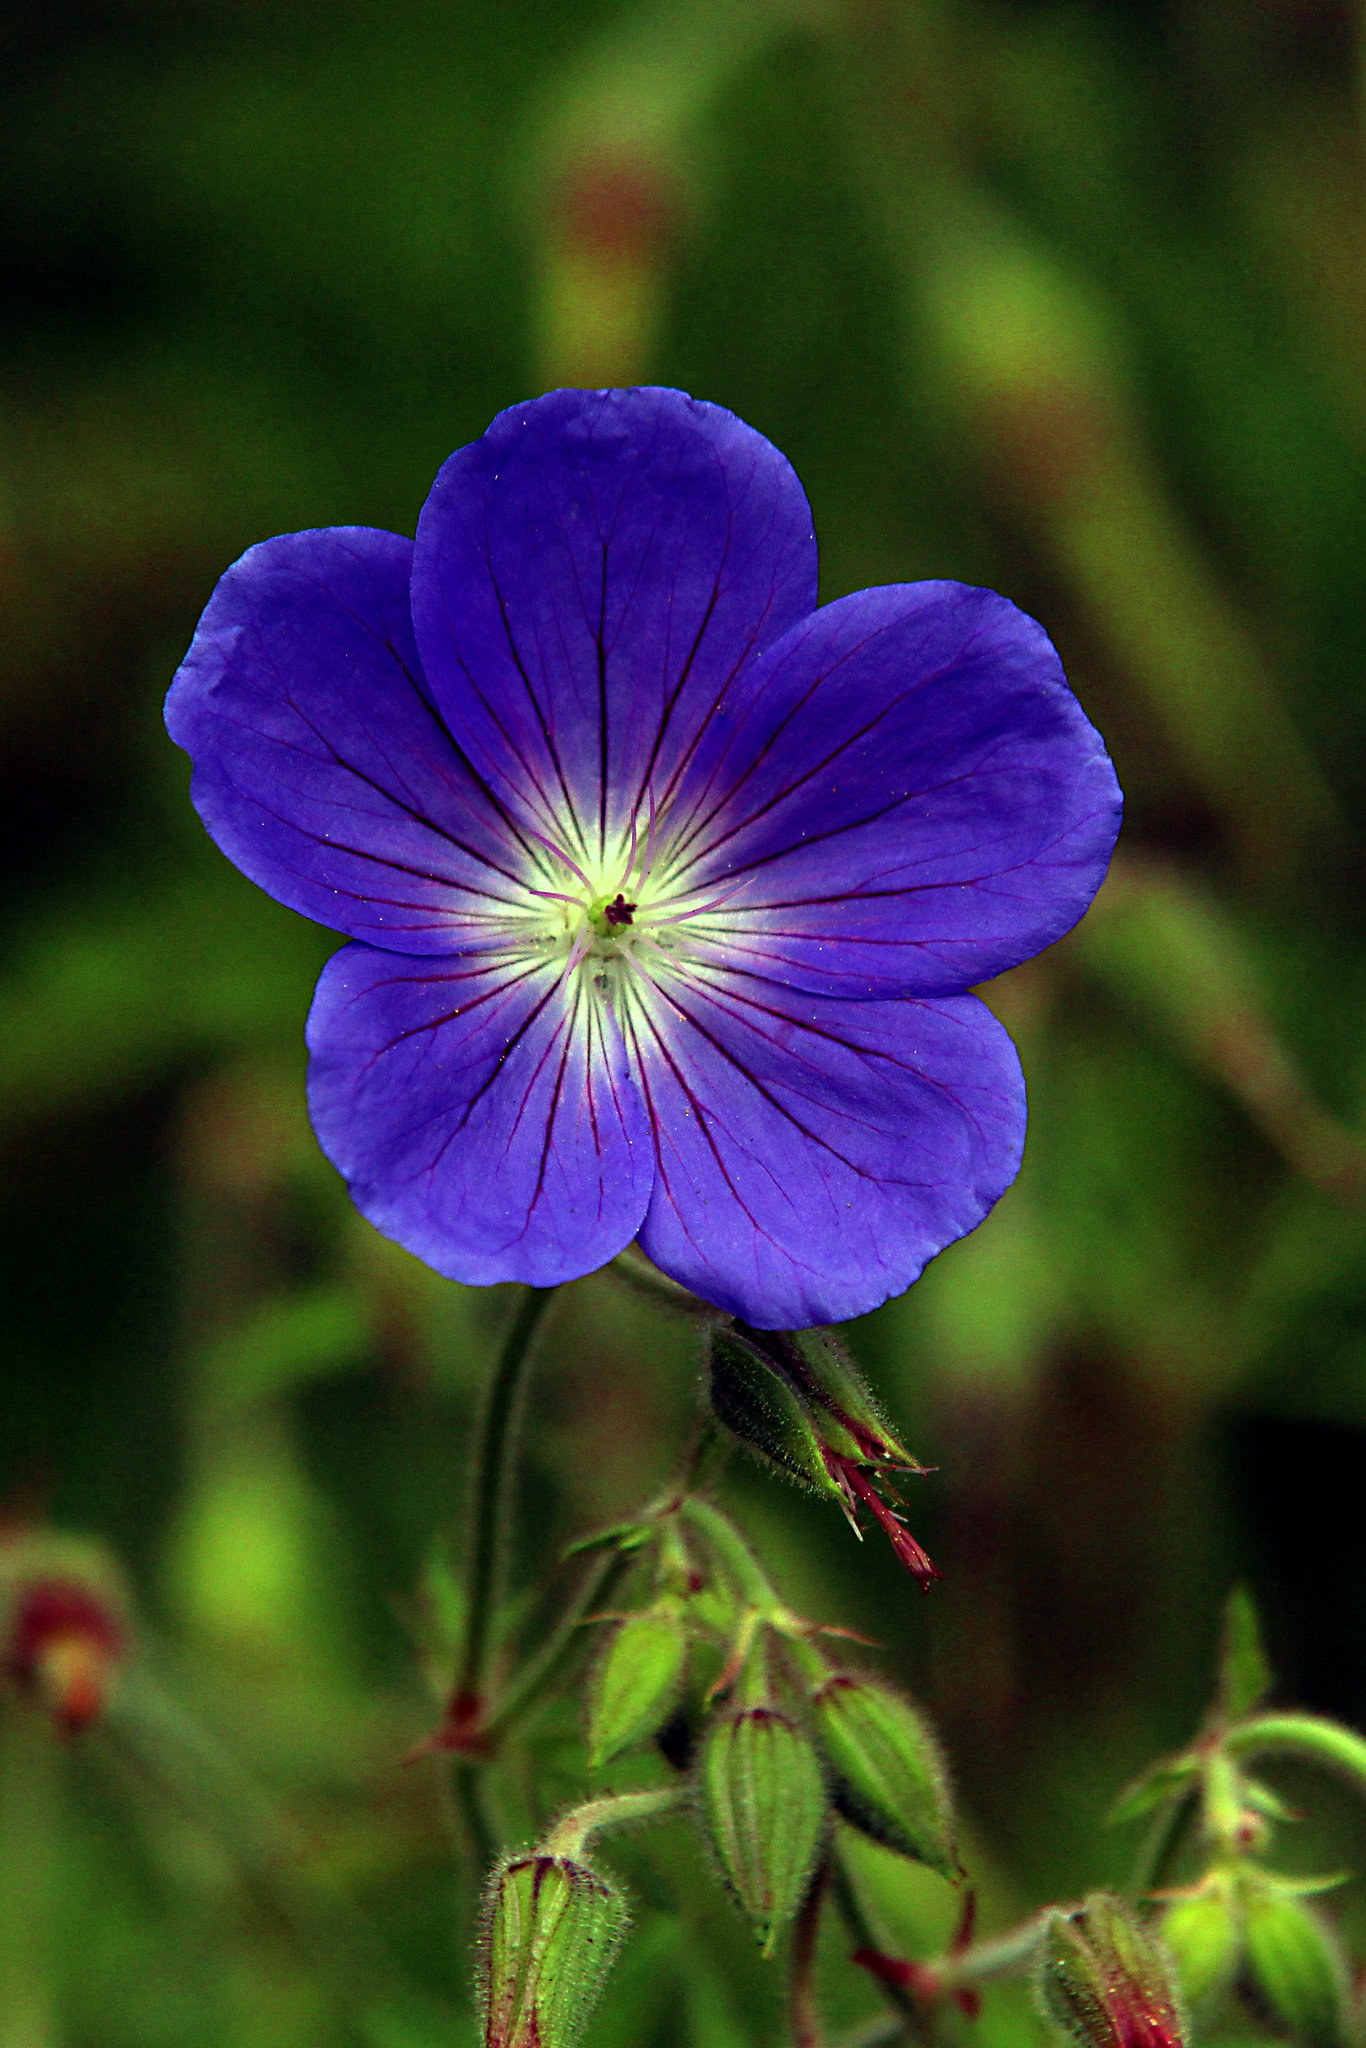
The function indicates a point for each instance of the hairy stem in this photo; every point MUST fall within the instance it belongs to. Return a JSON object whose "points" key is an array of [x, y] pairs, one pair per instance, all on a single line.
{"points": [[595, 1586], [1003, 1955], [736, 1558], [1306, 1737], [570, 1836], [493, 1479]]}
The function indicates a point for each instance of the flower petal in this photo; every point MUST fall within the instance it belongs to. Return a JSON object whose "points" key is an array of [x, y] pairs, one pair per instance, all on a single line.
{"points": [[813, 1153], [589, 578], [481, 1113], [321, 766], [903, 798]]}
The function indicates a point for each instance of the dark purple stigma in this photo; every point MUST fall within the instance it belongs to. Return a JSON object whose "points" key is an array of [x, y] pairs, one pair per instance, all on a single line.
{"points": [[619, 911]]}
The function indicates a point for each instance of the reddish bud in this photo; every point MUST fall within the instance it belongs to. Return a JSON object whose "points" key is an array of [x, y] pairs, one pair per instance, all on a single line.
{"points": [[63, 1625], [1105, 1982]]}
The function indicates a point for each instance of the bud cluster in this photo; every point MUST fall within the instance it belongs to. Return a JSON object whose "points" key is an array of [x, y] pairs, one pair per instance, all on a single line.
{"points": [[777, 1740]]}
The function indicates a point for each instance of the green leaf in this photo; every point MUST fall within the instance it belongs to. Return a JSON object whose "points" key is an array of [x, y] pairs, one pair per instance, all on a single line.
{"points": [[1245, 1676], [1147, 1793], [1296, 1969]]}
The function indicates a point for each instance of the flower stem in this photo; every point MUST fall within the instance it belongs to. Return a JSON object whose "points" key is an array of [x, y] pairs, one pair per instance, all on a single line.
{"points": [[1307, 1737], [1010, 1954], [803, 2012], [1161, 1842], [736, 1558], [595, 1586], [865, 1936], [467, 1795], [493, 1480]]}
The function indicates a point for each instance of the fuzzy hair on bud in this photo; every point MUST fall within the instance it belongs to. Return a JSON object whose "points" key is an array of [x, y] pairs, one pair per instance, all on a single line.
{"points": [[636, 1681], [550, 1933], [763, 1805], [1104, 1981], [887, 1769]]}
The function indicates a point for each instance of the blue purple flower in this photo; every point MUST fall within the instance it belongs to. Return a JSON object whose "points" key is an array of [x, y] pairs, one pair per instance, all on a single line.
{"points": [[665, 887]]}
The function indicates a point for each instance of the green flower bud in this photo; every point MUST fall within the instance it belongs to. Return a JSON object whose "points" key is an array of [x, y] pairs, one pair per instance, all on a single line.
{"points": [[1294, 1968], [763, 1805], [1104, 1982], [635, 1682], [551, 1930], [889, 1776], [1204, 1935]]}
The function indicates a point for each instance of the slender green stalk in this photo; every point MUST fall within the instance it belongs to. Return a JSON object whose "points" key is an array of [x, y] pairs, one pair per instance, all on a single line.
{"points": [[29, 1806], [634, 1271], [493, 1479], [1003, 1955], [1161, 1842], [148, 1736], [1305, 1737], [569, 1837], [738, 1561], [595, 1586], [803, 2011], [467, 1795], [865, 1935]]}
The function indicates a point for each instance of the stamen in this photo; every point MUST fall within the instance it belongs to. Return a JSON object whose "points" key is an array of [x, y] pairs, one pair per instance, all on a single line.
{"points": [[698, 909], [559, 854]]}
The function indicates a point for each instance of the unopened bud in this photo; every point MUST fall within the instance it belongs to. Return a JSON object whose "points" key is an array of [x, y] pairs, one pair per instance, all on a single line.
{"points": [[636, 1680], [1204, 1935], [1105, 1982], [889, 1776], [64, 1626], [1295, 1969], [552, 1928], [764, 1809]]}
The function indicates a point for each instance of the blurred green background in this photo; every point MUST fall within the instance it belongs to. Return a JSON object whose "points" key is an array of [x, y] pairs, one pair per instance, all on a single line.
{"points": [[1065, 298]]}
